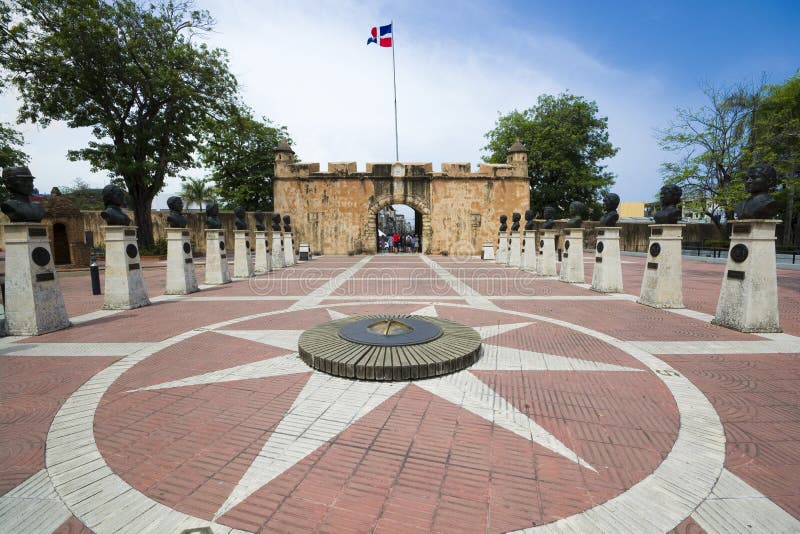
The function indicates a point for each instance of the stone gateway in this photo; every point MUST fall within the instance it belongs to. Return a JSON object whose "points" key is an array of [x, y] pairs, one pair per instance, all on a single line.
{"points": [[456, 209]]}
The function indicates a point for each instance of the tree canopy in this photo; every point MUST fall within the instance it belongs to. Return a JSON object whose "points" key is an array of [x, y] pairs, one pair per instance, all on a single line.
{"points": [[240, 152], [197, 191], [132, 72], [566, 141]]}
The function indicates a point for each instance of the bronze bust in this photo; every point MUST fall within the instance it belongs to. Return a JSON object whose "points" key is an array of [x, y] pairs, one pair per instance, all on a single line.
{"points": [[19, 207], [113, 198], [610, 204], [259, 216], [287, 224], [240, 212], [276, 222], [515, 217], [669, 213], [548, 212], [761, 179], [529, 215], [503, 225], [175, 219], [212, 216], [576, 210]]}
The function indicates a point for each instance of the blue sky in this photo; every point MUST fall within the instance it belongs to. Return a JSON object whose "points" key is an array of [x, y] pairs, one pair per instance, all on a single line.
{"points": [[306, 65]]}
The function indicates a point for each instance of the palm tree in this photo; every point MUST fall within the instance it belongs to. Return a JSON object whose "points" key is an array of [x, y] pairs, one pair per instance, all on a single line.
{"points": [[197, 191]]}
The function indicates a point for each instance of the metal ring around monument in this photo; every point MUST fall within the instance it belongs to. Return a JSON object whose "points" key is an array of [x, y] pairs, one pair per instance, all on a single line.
{"points": [[222, 245], [655, 249], [600, 247], [131, 251], [40, 256], [739, 253], [187, 248], [566, 244]]}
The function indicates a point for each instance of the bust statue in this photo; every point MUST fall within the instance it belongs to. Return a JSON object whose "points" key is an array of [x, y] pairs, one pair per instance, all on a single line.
{"points": [[669, 213], [240, 212], [212, 216], [610, 205], [548, 212], [761, 179], [515, 217], [19, 207], [175, 219], [259, 216], [276, 222], [529, 219], [287, 224], [576, 210], [113, 198], [503, 225]]}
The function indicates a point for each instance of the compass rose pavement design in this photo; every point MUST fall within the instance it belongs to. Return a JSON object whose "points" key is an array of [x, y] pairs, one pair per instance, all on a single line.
{"points": [[585, 412]]}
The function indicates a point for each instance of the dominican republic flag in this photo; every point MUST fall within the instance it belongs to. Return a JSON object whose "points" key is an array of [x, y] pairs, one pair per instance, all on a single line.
{"points": [[386, 36]]}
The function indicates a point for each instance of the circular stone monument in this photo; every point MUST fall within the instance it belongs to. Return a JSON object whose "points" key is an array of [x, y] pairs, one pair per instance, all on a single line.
{"points": [[389, 347]]}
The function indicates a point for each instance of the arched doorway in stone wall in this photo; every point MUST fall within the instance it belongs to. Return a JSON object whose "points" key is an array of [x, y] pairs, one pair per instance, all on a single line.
{"points": [[401, 220], [61, 254], [422, 223]]}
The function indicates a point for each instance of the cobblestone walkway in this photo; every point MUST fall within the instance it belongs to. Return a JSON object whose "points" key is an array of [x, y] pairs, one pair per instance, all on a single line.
{"points": [[585, 412]]}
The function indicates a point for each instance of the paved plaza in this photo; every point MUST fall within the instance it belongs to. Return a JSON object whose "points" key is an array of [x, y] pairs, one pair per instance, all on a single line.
{"points": [[585, 412]]}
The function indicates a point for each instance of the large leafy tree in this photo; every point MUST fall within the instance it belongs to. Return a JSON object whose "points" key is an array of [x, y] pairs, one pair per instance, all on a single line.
{"points": [[240, 151], [132, 72], [566, 140]]}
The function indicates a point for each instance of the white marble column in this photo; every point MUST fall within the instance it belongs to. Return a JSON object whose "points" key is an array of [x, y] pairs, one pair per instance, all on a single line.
{"points": [[34, 303], [242, 261], [572, 257], [662, 286], [124, 287], [547, 252], [262, 263], [216, 258], [748, 299], [288, 249], [278, 259], [502, 248], [528, 259], [515, 252], [607, 274], [181, 277]]}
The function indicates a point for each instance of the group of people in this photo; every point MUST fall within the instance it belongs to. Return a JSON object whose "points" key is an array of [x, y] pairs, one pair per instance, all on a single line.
{"points": [[397, 243]]}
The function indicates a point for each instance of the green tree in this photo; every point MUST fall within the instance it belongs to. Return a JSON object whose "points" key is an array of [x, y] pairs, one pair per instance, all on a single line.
{"points": [[197, 191], [240, 151], [10, 156], [132, 72], [566, 142], [711, 143]]}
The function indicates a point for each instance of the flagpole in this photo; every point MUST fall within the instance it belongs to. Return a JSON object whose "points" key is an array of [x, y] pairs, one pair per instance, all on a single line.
{"points": [[394, 82]]}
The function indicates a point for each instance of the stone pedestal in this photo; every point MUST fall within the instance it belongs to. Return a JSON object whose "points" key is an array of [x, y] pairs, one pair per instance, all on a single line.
{"points": [[514, 252], [181, 278], [125, 287], [572, 257], [304, 252], [528, 259], [547, 252], [242, 261], [662, 286], [748, 300], [263, 263], [33, 301], [216, 258], [288, 249], [488, 251], [607, 275], [502, 248], [278, 259]]}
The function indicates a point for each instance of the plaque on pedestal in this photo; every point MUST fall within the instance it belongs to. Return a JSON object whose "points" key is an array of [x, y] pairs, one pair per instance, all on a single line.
{"points": [[33, 301], [242, 261], [216, 258], [528, 259], [514, 252], [488, 251], [263, 263], [278, 259], [547, 253], [502, 248], [572, 257], [748, 299], [288, 249], [181, 278], [662, 286], [607, 274], [125, 287]]}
